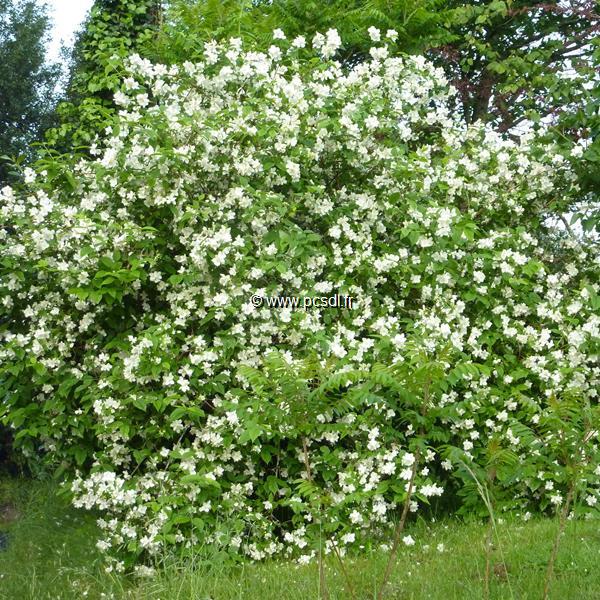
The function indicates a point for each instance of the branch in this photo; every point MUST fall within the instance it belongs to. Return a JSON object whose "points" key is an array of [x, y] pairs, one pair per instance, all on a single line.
{"points": [[567, 226]]}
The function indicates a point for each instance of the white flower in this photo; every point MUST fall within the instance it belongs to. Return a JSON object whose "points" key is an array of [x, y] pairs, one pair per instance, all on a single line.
{"points": [[144, 571], [331, 44], [299, 42], [556, 499], [348, 538], [337, 349], [374, 34], [293, 169], [232, 417], [318, 40], [408, 540], [356, 517], [431, 490], [371, 122], [408, 459], [278, 34], [577, 151], [373, 444], [379, 53], [275, 53]]}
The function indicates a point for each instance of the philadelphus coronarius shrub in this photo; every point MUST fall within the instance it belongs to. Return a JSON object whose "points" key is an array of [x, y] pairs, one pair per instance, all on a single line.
{"points": [[140, 352]]}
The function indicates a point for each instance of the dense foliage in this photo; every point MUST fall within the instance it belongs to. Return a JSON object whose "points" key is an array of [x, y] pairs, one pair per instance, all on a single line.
{"points": [[26, 81], [132, 351], [508, 60], [512, 63]]}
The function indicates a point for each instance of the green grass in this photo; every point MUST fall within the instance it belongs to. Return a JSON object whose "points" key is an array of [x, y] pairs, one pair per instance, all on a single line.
{"points": [[52, 555]]}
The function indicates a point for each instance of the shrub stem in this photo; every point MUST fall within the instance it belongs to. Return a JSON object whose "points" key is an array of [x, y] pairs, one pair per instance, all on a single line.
{"points": [[399, 529]]}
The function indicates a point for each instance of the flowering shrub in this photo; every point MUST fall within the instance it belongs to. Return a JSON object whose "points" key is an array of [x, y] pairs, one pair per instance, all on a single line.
{"points": [[134, 359]]}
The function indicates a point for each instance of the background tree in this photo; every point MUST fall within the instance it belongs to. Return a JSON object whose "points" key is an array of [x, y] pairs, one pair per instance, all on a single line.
{"points": [[509, 60], [524, 61], [417, 23], [27, 81]]}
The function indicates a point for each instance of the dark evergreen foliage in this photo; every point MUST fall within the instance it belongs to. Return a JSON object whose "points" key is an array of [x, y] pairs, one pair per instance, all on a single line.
{"points": [[27, 82]]}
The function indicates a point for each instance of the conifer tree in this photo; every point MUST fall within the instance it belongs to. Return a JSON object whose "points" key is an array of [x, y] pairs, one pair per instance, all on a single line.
{"points": [[26, 80]]}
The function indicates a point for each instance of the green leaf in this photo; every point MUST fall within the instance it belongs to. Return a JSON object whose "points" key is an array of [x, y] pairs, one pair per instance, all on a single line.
{"points": [[80, 455], [251, 432]]}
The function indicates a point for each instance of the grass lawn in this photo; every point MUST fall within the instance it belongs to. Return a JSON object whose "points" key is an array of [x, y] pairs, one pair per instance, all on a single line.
{"points": [[51, 554]]}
